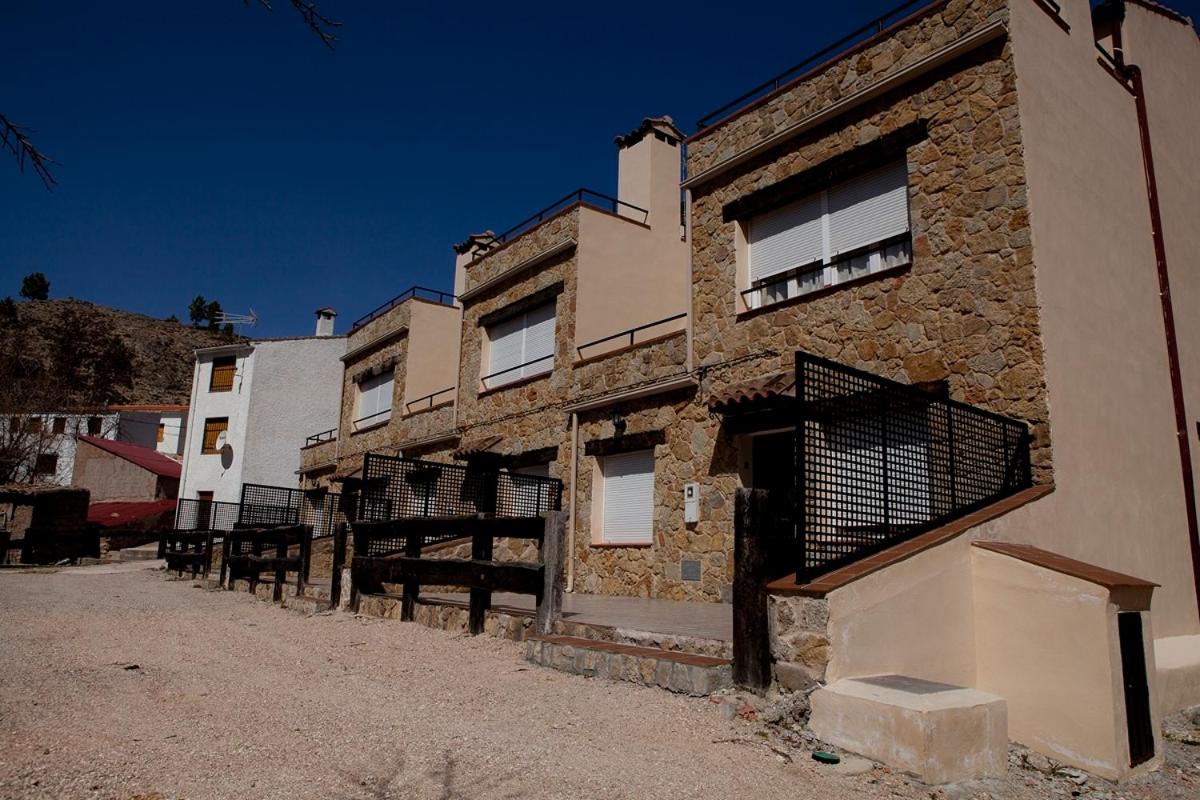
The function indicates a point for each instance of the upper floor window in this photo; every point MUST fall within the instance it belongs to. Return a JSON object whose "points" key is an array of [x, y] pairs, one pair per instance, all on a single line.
{"points": [[520, 347], [223, 370], [855, 228], [94, 425], [214, 427], [162, 433], [375, 399], [60, 424], [45, 464]]}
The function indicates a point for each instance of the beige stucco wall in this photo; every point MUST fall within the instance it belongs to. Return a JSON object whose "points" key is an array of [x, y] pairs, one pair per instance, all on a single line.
{"points": [[109, 477], [629, 275], [1119, 499], [1048, 643], [433, 342]]}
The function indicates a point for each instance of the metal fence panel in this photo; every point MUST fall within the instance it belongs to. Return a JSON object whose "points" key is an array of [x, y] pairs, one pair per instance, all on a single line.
{"points": [[199, 515], [879, 462]]}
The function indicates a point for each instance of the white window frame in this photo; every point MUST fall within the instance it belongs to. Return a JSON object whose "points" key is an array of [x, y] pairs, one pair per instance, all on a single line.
{"points": [[371, 390], [526, 367], [617, 482], [893, 251]]}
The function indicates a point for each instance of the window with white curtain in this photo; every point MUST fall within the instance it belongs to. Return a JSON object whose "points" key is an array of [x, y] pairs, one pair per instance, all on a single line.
{"points": [[375, 400], [855, 228], [520, 347], [627, 495]]}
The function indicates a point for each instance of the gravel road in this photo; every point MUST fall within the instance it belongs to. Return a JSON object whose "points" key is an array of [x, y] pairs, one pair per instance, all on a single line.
{"points": [[117, 683]]}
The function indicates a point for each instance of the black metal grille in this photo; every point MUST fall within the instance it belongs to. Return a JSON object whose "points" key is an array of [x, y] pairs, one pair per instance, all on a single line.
{"points": [[264, 506], [201, 515], [396, 488], [878, 462]]}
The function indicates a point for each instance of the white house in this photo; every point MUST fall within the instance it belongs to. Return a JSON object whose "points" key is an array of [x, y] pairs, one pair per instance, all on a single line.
{"points": [[253, 404]]}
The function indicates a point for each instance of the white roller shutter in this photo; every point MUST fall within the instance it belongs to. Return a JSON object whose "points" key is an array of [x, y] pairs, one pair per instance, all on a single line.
{"points": [[505, 343], [629, 497], [539, 340], [868, 209], [375, 397], [786, 238]]}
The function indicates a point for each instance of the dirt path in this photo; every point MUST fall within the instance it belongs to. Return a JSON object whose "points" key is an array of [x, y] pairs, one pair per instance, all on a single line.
{"points": [[117, 684]]}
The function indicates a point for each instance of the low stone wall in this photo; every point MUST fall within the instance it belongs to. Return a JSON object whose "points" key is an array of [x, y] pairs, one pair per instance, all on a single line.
{"points": [[799, 634]]}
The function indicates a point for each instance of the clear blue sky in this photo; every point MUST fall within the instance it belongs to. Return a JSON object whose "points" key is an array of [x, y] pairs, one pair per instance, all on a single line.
{"points": [[215, 148]]}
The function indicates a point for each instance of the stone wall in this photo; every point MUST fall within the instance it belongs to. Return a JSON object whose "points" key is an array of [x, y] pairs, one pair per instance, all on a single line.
{"points": [[966, 311]]}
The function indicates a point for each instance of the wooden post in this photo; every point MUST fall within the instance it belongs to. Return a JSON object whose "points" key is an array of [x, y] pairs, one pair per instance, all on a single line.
{"points": [[481, 599], [208, 546], [550, 598], [225, 547], [751, 636], [339, 563], [408, 604], [306, 536], [162, 545]]}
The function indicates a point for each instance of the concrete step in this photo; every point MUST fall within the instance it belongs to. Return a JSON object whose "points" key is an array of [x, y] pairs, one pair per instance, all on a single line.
{"points": [[685, 673], [145, 552]]}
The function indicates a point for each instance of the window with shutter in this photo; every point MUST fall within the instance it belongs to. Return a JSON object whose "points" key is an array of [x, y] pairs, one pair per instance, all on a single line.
{"points": [[213, 428], [521, 347], [375, 400], [628, 498], [223, 370], [855, 228]]}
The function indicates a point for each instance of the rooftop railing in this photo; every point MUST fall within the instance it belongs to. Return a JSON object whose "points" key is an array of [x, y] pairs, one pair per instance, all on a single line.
{"points": [[445, 298], [323, 436], [873, 28], [879, 462], [578, 197]]}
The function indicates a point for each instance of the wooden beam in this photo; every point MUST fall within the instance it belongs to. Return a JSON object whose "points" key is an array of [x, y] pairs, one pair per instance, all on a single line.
{"points": [[550, 596], [498, 576], [751, 636], [463, 525]]}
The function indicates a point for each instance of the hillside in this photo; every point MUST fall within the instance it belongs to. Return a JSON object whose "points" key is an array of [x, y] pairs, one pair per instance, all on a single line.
{"points": [[71, 352]]}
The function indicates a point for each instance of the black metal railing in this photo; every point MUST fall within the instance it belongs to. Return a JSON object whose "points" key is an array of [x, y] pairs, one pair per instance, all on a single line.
{"points": [[879, 462], [578, 197], [631, 333], [514, 378], [323, 436], [427, 402], [205, 515], [378, 418], [395, 488], [445, 298], [856, 38], [267, 506]]}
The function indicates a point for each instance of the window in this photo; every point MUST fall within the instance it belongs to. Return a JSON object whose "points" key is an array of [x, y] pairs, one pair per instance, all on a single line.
{"points": [[375, 399], [521, 347], [45, 464], [628, 497], [162, 432], [223, 370], [60, 424], [213, 428], [856, 228], [33, 424], [93, 426], [14, 424]]}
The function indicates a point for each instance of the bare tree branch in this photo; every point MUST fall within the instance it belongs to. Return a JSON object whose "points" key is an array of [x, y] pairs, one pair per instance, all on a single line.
{"points": [[317, 22], [15, 139]]}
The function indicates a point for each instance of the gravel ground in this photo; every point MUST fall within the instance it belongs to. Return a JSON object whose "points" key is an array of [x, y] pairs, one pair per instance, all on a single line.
{"points": [[116, 683]]}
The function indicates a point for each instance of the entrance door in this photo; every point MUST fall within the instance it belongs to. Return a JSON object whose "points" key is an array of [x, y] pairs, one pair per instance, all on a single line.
{"points": [[773, 467]]}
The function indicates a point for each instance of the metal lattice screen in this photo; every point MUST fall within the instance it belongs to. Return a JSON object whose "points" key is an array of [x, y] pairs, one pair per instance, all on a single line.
{"points": [[201, 515], [878, 462], [282, 505], [395, 488]]}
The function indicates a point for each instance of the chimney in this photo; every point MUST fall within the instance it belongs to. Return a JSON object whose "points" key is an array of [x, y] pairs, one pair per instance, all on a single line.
{"points": [[325, 317], [467, 251], [648, 172]]}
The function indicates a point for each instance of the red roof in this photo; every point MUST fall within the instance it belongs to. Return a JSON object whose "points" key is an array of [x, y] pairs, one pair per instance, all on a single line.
{"points": [[120, 513], [145, 457]]}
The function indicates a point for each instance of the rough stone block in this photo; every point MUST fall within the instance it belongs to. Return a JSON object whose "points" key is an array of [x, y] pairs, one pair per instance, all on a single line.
{"points": [[938, 732]]}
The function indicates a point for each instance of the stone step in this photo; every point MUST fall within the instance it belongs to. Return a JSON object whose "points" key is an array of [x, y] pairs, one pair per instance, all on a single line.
{"points": [[145, 552], [685, 673], [306, 604]]}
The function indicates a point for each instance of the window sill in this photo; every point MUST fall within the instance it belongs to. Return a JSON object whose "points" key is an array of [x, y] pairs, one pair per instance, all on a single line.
{"points": [[824, 291], [614, 545], [515, 384]]}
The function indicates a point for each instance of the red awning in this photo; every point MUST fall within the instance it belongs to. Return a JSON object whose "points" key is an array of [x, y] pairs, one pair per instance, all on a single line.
{"points": [[125, 514]]}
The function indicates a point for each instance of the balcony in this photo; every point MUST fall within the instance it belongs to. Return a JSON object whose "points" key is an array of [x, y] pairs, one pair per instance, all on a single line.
{"points": [[579, 197], [319, 450], [417, 292]]}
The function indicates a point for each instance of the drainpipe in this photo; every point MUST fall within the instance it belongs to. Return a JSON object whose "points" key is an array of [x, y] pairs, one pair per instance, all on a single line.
{"points": [[1134, 75], [570, 587]]}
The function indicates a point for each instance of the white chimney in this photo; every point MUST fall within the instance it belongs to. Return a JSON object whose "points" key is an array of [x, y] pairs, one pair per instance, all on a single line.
{"points": [[325, 318], [648, 161]]}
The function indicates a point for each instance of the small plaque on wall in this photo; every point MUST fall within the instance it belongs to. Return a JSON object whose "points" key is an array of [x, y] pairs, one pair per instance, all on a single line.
{"points": [[689, 570]]}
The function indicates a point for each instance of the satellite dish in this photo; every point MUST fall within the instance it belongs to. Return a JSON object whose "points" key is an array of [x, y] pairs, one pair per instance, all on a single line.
{"points": [[223, 441]]}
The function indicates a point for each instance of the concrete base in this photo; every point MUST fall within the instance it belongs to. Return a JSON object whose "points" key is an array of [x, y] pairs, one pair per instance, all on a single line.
{"points": [[1177, 662], [937, 732]]}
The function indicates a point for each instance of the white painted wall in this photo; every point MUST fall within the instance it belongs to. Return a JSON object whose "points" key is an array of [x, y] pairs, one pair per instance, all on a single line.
{"points": [[63, 445]]}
